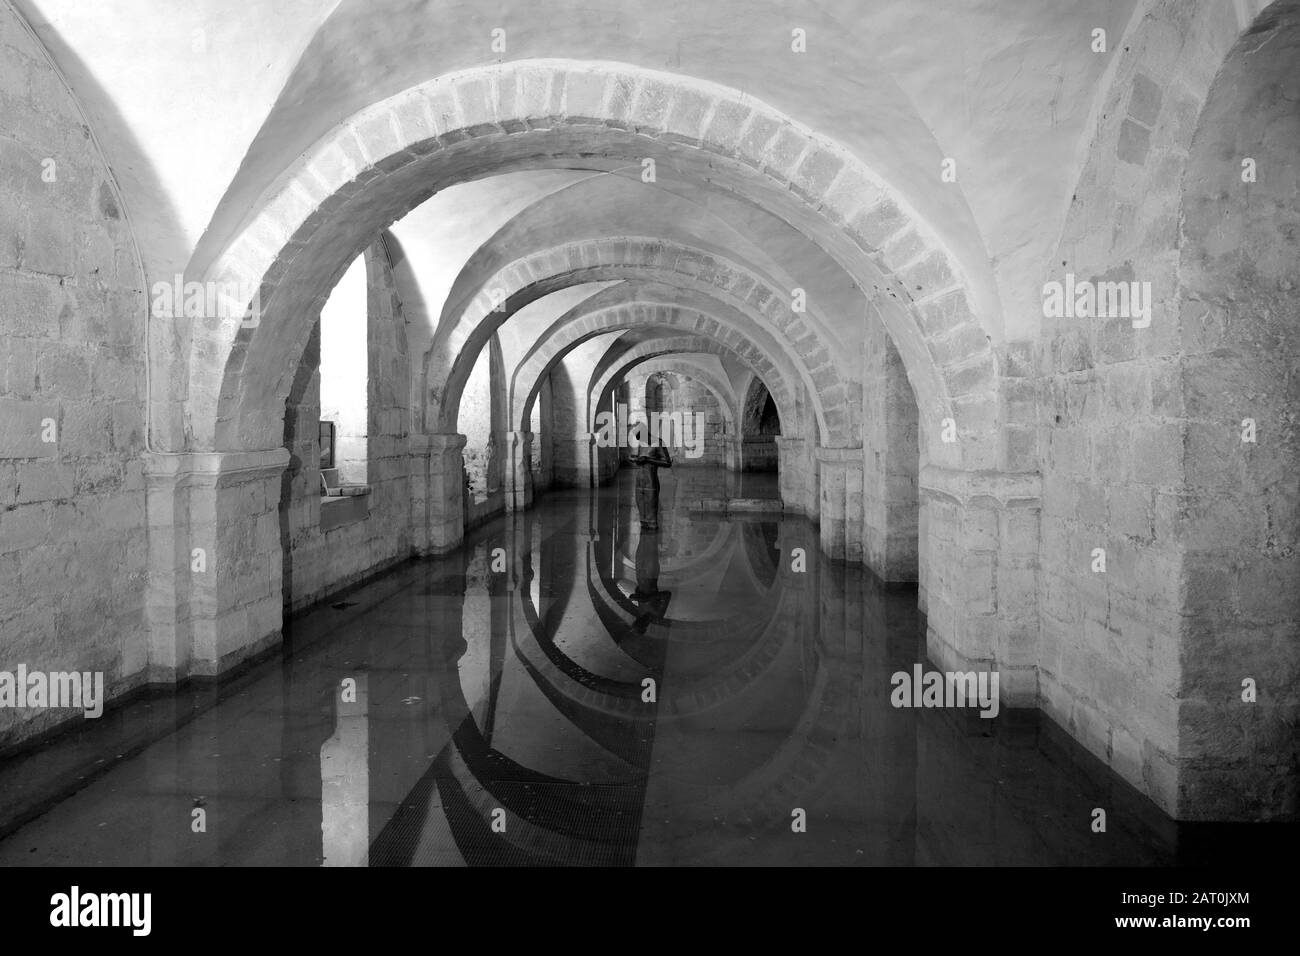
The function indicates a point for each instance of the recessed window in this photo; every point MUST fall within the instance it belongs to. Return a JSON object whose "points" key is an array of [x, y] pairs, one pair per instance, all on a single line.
{"points": [[327, 430], [344, 400]]}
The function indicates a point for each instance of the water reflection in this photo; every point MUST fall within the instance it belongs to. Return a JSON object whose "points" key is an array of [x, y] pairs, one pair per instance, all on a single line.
{"points": [[674, 695], [345, 780], [573, 688]]}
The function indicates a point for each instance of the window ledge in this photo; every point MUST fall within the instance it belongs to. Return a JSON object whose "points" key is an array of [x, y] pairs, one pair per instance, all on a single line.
{"points": [[348, 491], [337, 510]]}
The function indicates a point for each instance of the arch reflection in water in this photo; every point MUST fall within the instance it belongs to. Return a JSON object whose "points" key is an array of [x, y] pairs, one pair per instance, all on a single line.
{"points": [[502, 717], [769, 693]]}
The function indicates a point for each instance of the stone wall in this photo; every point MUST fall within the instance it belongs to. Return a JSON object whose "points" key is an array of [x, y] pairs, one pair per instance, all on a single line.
{"points": [[73, 308], [1117, 436], [1239, 516], [689, 398]]}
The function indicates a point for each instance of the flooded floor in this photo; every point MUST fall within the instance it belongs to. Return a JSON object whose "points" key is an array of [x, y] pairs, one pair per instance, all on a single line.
{"points": [[568, 689]]}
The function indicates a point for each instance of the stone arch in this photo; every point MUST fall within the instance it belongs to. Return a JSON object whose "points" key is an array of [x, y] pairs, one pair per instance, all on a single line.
{"points": [[680, 363], [579, 326], [372, 168], [655, 350], [670, 370], [595, 390], [634, 294], [617, 204], [226, 392], [455, 346], [794, 465]]}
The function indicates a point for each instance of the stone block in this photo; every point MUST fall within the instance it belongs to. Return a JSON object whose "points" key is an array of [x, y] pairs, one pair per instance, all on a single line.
{"points": [[44, 481], [1134, 143], [585, 96], [1144, 100], [876, 224], [25, 426], [33, 305], [24, 527]]}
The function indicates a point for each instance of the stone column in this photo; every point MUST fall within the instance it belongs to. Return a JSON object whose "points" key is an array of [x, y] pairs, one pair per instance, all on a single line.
{"points": [[216, 559], [979, 575], [419, 451], [519, 451], [446, 492], [732, 450], [792, 473], [840, 513]]}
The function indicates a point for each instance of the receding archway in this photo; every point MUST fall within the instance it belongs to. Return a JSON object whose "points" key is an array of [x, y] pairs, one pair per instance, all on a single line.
{"points": [[763, 324], [369, 171], [389, 157], [683, 354], [760, 425]]}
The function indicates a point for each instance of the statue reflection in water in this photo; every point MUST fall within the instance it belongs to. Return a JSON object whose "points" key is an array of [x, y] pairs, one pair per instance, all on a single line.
{"points": [[653, 602]]}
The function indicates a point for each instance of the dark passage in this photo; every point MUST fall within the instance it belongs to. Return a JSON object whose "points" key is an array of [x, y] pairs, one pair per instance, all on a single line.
{"points": [[572, 689]]}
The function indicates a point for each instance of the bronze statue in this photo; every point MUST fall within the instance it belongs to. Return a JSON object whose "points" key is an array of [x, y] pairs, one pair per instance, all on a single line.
{"points": [[647, 484]]}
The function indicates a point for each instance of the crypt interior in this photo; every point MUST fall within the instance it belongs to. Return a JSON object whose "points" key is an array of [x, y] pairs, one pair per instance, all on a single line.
{"points": [[322, 321]]}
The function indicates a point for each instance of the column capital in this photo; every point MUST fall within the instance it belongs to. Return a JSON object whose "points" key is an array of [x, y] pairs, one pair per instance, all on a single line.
{"points": [[207, 466], [1003, 488]]}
